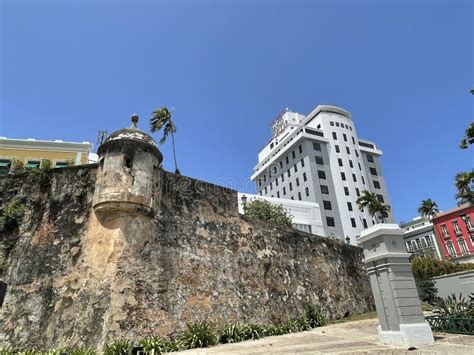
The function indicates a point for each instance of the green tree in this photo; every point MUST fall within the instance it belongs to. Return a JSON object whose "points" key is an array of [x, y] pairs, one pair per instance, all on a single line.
{"points": [[468, 138], [262, 209], [464, 186], [161, 119], [428, 208], [375, 208]]}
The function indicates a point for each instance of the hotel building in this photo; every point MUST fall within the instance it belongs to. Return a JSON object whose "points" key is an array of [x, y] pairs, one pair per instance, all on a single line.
{"points": [[319, 158]]}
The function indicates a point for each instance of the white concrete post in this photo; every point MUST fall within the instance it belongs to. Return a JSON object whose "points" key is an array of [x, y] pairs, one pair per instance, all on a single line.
{"points": [[401, 320]]}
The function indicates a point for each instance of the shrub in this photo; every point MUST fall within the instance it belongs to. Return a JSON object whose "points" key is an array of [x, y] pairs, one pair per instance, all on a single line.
{"points": [[315, 317], [155, 345], [118, 347], [12, 214], [81, 351], [270, 212], [199, 335], [427, 291], [175, 345], [428, 266]]}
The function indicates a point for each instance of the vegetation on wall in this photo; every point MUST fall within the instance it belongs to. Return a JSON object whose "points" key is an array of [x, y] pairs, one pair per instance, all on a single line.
{"points": [[11, 216], [262, 209]]}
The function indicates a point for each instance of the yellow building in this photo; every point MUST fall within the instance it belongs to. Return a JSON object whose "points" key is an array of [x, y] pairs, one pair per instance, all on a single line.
{"points": [[31, 153]]}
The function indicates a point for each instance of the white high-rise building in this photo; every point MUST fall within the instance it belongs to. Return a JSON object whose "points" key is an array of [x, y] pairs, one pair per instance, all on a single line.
{"points": [[319, 158]]}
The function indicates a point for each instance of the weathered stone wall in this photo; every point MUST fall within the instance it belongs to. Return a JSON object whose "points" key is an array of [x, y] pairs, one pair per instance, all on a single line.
{"points": [[77, 278]]}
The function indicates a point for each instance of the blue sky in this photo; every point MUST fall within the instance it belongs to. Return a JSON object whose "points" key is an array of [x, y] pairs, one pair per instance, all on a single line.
{"points": [[402, 68]]}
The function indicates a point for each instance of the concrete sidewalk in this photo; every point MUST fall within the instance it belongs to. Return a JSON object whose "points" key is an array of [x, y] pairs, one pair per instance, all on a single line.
{"points": [[358, 337]]}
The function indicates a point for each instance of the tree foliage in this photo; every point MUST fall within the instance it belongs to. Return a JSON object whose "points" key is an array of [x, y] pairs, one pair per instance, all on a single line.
{"points": [[464, 185], [262, 209], [375, 208], [161, 119], [428, 208]]}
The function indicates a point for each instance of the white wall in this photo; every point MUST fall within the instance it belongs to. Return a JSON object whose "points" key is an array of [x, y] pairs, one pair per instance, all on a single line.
{"points": [[304, 213]]}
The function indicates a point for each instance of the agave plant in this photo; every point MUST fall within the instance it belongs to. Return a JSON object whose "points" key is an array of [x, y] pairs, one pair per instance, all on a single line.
{"points": [[233, 333], [199, 335], [154, 345], [454, 306], [118, 347], [315, 317]]}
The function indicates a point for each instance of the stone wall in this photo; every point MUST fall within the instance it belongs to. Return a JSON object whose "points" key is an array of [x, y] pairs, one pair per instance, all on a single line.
{"points": [[75, 278]]}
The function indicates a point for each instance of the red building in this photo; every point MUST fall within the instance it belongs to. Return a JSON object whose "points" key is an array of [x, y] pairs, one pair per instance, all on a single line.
{"points": [[455, 232]]}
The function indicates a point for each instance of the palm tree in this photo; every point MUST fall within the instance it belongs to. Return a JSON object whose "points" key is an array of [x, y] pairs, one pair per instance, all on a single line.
{"points": [[463, 184], [162, 119], [374, 206], [428, 208]]}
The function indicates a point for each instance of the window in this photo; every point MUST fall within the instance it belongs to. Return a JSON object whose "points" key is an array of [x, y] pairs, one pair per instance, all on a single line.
{"points": [[376, 184], [354, 177], [346, 190], [278, 194], [282, 177], [307, 191], [357, 192], [373, 171], [364, 222], [348, 150], [296, 168], [353, 140], [463, 247], [339, 160], [327, 205], [469, 223], [60, 164], [445, 231], [284, 190], [343, 176], [292, 198], [302, 163], [350, 127], [289, 173], [287, 161], [32, 164], [331, 123], [334, 135], [276, 182], [345, 137], [319, 160], [300, 149], [363, 181], [349, 206], [299, 196], [429, 241], [353, 222], [5, 165], [450, 248], [297, 182], [304, 177], [370, 158], [271, 187], [357, 153], [281, 165], [259, 182], [293, 155], [316, 146], [324, 189], [337, 149], [291, 186], [330, 222], [265, 190], [350, 163], [457, 230], [321, 174], [360, 168], [337, 124], [347, 127]]}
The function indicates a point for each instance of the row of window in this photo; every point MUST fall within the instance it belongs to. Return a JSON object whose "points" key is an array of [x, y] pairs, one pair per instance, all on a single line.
{"points": [[462, 246], [337, 124], [344, 136], [419, 243], [456, 227], [6, 164]]}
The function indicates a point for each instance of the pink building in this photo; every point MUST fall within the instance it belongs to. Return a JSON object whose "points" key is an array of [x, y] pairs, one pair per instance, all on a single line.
{"points": [[455, 232]]}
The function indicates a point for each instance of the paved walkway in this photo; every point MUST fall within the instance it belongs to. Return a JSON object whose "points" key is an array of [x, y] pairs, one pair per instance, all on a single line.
{"points": [[358, 337]]}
